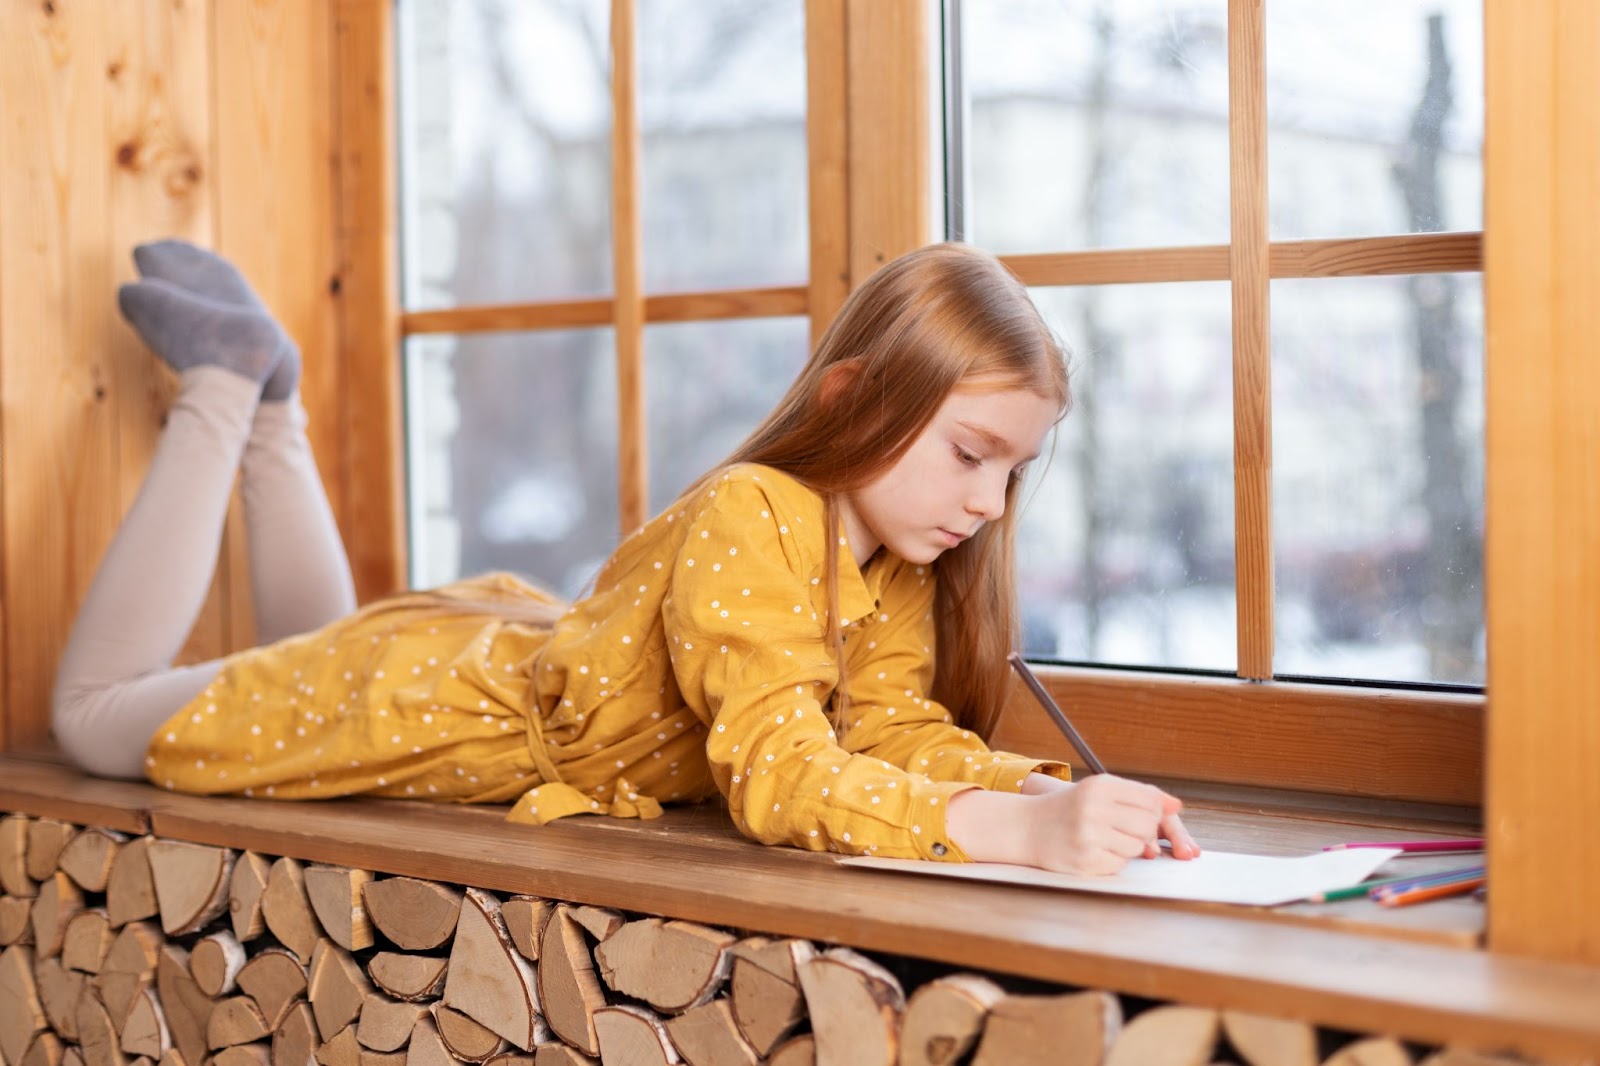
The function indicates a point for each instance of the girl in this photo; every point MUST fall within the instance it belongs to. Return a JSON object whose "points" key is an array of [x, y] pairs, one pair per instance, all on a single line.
{"points": [[770, 637]]}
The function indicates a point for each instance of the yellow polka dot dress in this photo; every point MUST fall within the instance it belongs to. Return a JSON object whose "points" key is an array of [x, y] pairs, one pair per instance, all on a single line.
{"points": [[698, 665]]}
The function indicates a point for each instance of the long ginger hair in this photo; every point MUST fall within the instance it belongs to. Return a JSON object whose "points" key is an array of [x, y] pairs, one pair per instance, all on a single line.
{"points": [[941, 318]]}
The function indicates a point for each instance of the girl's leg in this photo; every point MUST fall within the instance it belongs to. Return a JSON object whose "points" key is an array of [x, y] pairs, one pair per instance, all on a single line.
{"points": [[299, 574], [116, 684]]}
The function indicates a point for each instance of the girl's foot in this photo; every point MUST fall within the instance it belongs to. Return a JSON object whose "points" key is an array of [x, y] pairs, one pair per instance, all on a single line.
{"points": [[206, 274], [188, 330]]}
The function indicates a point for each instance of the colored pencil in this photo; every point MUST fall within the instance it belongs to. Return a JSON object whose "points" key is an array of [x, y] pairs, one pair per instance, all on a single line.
{"points": [[1464, 844], [1440, 878], [1056, 714], [1427, 892]]}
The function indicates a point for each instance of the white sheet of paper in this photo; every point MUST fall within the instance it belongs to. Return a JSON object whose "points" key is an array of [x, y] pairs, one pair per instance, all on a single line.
{"points": [[1214, 877]]}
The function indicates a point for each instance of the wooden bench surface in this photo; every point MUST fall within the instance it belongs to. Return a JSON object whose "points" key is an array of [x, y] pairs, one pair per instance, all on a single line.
{"points": [[1336, 965]]}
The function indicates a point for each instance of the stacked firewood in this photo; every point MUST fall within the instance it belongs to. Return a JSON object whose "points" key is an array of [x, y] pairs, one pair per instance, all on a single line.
{"points": [[144, 951]]}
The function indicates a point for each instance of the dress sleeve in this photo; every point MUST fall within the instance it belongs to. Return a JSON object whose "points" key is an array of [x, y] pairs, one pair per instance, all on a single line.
{"points": [[745, 629], [891, 716]]}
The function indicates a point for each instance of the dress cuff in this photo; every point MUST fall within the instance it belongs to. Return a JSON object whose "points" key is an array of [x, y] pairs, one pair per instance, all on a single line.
{"points": [[929, 802]]}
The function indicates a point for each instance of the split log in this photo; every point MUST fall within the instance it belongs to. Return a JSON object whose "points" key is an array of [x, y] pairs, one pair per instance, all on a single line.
{"points": [[16, 920], [46, 838], [599, 922], [287, 911], [525, 918], [97, 1039], [145, 1030], [382, 1058], [516, 1058], [562, 1055], [708, 1036], [14, 858], [408, 976], [87, 941], [385, 1023], [235, 1020], [21, 1013], [54, 906], [1167, 1036], [294, 1039], [796, 1051], [59, 989], [88, 857], [188, 1009], [765, 989], [130, 893], [944, 1019], [425, 1047], [855, 1007], [336, 987], [1460, 1056], [489, 980], [73, 1056], [335, 894], [191, 883], [1024, 1029], [415, 915], [670, 965], [276, 981], [632, 1036], [1264, 1041], [465, 1038], [215, 962], [244, 1055], [171, 1058], [341, 1050], [117, 991], [136, 950], [245, 888], [1373, 1051], [569, 991], [46, 1050]]}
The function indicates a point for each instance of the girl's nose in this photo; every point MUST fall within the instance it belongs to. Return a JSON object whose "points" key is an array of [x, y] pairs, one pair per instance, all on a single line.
{"points": [[989, 501]]}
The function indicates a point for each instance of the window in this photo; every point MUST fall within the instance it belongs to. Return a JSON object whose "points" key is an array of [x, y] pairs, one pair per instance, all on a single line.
{"points": [[1304, 502]]}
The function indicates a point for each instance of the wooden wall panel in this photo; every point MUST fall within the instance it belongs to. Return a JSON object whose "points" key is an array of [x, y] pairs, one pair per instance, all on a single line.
{"points": [[275, 162], [1542, 175], [58, 419]]}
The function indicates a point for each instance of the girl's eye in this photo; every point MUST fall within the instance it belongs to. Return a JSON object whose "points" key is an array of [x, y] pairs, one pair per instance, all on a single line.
{"points": [[967, 457]]}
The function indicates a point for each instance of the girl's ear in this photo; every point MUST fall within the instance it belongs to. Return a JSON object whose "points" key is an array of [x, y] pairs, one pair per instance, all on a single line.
{"points": [[837, 378]]}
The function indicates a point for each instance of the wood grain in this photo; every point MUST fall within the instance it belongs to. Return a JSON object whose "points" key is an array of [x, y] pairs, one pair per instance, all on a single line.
{"points": [[1542, 167], [887, 97], [628, 264], [828, 161], [368, 356], [1252, 372], [59, 435]]}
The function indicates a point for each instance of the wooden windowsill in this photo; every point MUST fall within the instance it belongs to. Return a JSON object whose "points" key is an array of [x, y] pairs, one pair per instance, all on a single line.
{"points": [[1349, 965]]}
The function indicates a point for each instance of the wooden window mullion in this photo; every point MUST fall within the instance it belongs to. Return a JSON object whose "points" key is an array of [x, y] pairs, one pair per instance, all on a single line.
{"points": [[628, 306], [1249, 268]]}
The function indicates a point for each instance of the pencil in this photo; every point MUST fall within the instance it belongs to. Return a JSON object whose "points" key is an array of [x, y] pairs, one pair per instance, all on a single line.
{"points": [[1443, 877], [1333, 895], [1464, 844], [1056, 714], [1427, 892]]}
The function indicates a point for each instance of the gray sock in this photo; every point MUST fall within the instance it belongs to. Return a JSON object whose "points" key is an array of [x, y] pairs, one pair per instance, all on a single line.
{"points": [[189, 331], [204, 273]]}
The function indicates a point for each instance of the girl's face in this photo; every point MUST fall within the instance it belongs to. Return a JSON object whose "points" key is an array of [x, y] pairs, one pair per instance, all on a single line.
{"points": [[952, 479]]}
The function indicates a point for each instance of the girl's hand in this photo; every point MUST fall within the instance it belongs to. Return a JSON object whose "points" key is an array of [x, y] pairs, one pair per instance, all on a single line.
{"points": [[1090, 827], [1095, 826]]}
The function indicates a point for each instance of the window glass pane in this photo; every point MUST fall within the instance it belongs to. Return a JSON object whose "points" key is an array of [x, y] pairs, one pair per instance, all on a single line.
{"points": [[1125, 549], [707, 384], [1095, 124], [505, 133], [1376, 116], [1377, 388], [722, 99], [512, 453]]}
